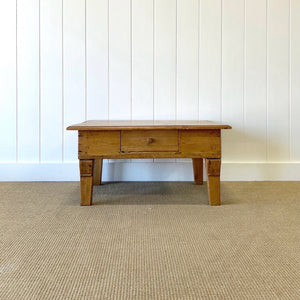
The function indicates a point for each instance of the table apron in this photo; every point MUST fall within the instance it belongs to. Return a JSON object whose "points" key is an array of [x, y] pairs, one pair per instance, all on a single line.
{"points": [[181, 144]]}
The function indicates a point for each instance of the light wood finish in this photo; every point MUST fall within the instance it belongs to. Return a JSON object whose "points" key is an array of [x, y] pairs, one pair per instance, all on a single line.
{"points": [[93, 143], [149, 139], [149, 144], [204, 143], [97, 172], [145, 154], [86, 181], [198, 170], [213, 167], [136, 125]]}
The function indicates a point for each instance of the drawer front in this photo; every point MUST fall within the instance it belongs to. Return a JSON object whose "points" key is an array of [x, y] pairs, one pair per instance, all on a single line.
{"points": [[149, 141]]}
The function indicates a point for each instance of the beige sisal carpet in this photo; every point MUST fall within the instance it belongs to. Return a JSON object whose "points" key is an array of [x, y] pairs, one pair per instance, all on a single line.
{"points": [[150, 241]]}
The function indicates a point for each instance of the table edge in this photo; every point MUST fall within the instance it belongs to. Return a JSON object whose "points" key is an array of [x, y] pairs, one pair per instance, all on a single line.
{"points": [[149, 127]]}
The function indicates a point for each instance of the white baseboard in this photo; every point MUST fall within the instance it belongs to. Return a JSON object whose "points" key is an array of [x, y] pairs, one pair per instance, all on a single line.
{"points": [[145, 171]]}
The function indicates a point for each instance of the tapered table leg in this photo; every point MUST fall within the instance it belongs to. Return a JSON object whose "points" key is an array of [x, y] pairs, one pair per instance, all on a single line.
{"points": [[198, 170], [213, 167], [86, 181], [97, 173]]}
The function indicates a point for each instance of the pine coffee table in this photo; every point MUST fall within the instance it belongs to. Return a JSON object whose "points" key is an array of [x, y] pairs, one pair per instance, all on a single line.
{"points": [[149, 139]]}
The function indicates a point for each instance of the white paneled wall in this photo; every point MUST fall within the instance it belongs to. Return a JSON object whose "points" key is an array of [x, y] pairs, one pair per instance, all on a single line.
{"points": [[8, 88], [295, 80], [28, 81], [51, 84], [234, 61], [278, 77], [97, 59], [255, 82], [165, 50], [210, 60]]}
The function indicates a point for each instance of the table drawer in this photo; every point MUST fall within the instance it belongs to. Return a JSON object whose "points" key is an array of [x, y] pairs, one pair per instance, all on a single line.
{"points": [[149, 141]]}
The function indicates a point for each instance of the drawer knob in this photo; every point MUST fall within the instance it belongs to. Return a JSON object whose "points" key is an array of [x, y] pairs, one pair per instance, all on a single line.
{"points": [[149, 140]]}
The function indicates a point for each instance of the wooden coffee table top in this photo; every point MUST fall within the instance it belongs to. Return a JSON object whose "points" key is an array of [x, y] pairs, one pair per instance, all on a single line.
{"points": [[129, 125]]}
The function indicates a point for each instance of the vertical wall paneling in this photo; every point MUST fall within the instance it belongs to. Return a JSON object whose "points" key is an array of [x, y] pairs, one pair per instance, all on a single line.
{"points": [[295, 80], [187, 59], [8, 81], [142, 59], [233, 77], [74, 71], [278, 80], [234, 61], [255, 102], [165, 59], [97, 59], [51, 79], [210, 60], [120, 59], [28, 83]]}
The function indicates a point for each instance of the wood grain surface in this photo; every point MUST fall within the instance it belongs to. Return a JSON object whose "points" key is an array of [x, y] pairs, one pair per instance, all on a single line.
{"points": [[148, 124]]}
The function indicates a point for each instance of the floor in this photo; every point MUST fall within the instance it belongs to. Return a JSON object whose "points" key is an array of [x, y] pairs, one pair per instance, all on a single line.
{"points": [[150, 240]]}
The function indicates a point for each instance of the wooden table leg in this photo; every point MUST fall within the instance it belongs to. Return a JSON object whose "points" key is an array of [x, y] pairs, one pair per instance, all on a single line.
{"points": [[198, 170], [213, 167], [86, 181], [97, 173]]}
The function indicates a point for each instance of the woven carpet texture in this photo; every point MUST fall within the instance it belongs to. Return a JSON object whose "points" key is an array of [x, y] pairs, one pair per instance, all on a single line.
{"points": [[149, 240]]}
